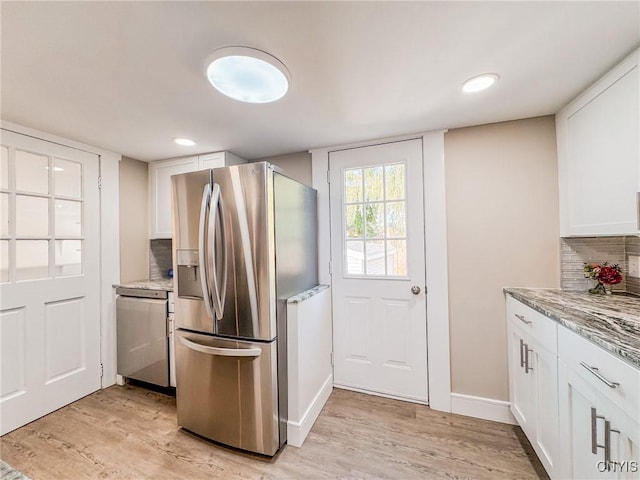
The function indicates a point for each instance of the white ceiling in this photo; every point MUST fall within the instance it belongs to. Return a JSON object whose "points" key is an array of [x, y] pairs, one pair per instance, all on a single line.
{"points": [[129, 76]]}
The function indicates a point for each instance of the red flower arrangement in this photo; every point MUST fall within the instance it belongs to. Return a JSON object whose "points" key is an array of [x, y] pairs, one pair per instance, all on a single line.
{"points": [[604, 274]]}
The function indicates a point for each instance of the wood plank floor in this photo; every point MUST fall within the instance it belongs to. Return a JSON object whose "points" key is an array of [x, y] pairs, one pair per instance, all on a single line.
{"points": [[130, 432]]}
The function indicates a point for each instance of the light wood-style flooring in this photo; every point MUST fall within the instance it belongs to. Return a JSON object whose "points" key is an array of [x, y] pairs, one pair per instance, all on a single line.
{"points": [[130, 432]]}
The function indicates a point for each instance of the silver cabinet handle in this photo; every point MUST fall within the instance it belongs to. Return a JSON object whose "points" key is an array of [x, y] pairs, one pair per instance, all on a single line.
{"points": [[527, 368], [222, 352], [521, 353], [521, 318], [594, 431], [594, 371], [202, 245], [415, 289], [607, 442]]}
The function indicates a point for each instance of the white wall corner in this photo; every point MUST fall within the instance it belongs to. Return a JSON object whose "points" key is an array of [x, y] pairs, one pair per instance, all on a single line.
{"points": [[438, 355], [319, 181], [110, 261], [480, 407]]}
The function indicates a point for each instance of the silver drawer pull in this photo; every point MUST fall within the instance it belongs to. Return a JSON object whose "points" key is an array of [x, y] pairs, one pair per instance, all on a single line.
{"points": [[521, 318], [594, 371]]}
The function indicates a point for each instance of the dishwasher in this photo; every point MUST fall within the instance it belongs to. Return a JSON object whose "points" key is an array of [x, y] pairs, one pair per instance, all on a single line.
{"points": [[143, 335]]}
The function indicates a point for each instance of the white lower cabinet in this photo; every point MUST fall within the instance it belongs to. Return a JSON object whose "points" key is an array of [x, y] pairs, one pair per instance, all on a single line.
{"points": [[533, 373], [599, 413], [578, 405]]}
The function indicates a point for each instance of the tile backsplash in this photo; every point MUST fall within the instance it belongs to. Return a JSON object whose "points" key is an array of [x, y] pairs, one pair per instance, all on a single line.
{"points": [[575, 252], [160, 258], [632, 247]]}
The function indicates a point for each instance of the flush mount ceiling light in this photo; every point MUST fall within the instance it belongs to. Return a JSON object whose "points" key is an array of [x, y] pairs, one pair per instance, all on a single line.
{"points": [[248, 75], [480, 82], [185, 142]]}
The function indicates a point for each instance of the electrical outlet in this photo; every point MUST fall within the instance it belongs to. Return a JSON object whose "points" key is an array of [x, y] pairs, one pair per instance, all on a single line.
{"points": [[634, 266]]}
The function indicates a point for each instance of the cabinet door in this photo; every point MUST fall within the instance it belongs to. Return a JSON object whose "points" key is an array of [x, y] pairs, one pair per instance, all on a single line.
{"points": [[598, 143], [545, 377], [521, 384], [578, 402], [211, 160], [160, 192], [623, 439]]}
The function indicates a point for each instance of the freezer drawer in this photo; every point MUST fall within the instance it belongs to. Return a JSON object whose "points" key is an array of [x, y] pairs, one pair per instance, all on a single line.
{"points": [[227, 391], [142, 339]]}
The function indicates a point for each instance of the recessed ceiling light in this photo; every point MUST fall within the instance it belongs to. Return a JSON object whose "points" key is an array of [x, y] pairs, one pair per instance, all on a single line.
{"points": [[248, 75], [479, 83], [185, 142]]}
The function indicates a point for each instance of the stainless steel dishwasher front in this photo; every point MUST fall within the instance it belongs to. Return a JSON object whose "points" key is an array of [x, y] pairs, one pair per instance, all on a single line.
{"points": [[143, 346]]}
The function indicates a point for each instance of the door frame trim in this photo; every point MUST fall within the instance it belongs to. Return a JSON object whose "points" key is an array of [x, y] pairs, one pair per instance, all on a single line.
{"points": [[109, 170], [438, 359]]}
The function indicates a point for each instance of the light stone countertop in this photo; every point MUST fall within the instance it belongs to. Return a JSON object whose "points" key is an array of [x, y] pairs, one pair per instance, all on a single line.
{"points": [[610, 321], [312, 292], [165, 284]]}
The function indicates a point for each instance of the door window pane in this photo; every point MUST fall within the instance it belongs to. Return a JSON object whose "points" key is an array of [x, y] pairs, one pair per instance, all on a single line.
{"points": [[4, 167], [67, 178], [354, 257], [394, 182], [32, 172], [4, 261], [4, 213], [32, 259], [68, 257], [373, 190], [354, 221], [396, 220], [397, 258], [353, 185], [375, 258], [68, 218], [374, 220], [32, 216]]}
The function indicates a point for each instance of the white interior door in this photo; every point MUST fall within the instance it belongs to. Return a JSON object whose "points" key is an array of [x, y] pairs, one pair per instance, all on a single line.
{"points": [[49, 274], [378, 258]]}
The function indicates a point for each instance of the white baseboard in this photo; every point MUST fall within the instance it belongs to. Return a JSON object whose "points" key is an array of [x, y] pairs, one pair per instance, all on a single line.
{"points": [[298, 431], [480, 407]]}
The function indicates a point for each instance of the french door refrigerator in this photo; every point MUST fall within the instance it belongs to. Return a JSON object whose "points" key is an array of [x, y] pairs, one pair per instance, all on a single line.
{"points": [[244, 240]]}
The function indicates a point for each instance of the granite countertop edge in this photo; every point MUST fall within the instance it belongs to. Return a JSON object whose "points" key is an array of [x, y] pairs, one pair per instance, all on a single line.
{"points": [[307, 294], [594, 326], [164, 284]]}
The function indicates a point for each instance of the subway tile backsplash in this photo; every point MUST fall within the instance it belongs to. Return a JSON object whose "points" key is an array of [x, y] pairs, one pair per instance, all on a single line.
{"points": [[575, 252], [160, 259]]}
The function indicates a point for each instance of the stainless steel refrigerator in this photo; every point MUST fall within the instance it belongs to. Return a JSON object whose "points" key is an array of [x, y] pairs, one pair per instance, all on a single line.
{"points": [[244, 240]]}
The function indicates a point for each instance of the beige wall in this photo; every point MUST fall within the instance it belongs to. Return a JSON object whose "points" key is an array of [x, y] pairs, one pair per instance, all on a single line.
{"points": [[296, 165], [134, 220], [502, 227]]}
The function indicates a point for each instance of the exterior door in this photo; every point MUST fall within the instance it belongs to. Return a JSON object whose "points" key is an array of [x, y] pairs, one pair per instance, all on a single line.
{"points": [[50, 284], [378, 269]]}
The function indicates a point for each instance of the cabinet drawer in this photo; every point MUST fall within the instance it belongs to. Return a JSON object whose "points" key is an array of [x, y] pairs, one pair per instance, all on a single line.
{"points": [[614, 378], [542, 329]]}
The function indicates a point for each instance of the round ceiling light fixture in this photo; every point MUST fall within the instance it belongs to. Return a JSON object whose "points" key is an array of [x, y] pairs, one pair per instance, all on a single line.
{"points": [[185, 142], [248, 75], [480, 82]]}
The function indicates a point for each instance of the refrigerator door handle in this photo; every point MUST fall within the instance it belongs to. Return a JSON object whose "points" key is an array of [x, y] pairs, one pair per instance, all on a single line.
{"points": [[216, 212], [202, 247], [222, 352]]}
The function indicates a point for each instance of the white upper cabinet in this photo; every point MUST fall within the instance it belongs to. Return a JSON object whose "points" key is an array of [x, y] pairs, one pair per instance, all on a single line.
{"points": [[598, 137], [160, 185]]}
